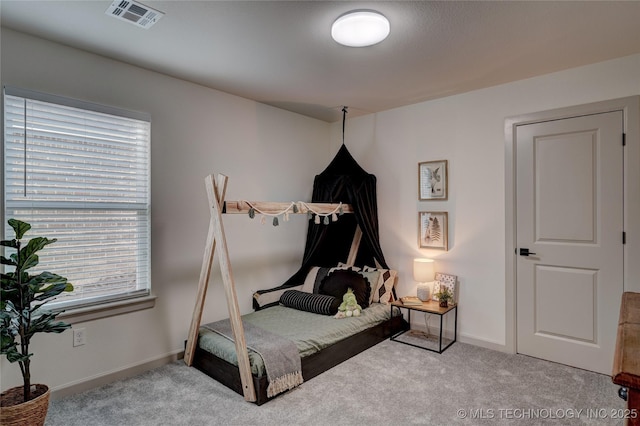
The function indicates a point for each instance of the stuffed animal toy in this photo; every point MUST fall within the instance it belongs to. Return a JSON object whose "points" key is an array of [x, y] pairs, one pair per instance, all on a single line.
{"points": [[349, 306]]}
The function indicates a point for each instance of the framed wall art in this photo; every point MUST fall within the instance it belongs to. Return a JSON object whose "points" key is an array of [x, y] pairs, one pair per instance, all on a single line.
{"points": [[433, 230], [433, 180]]}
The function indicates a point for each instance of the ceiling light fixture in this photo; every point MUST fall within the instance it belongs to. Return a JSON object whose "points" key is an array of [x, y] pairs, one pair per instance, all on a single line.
{"points": [[360, 28]]}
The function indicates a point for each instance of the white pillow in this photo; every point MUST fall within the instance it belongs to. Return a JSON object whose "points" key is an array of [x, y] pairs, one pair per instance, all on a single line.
{"points": [[310, 280], [382, 291], [372, 276]]}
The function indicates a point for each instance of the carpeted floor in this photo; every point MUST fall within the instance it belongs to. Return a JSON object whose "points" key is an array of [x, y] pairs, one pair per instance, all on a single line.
{"points": [[389, 384]]}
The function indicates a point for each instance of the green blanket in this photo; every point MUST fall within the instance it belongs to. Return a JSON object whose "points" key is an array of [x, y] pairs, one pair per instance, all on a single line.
{"points": [[309, 332]]}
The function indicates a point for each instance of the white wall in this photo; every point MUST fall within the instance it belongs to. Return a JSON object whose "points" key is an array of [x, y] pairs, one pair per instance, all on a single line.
{"points": [[467, 130], [268, 154]]}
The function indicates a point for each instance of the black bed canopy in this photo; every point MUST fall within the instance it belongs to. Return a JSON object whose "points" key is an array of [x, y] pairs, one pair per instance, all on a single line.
{"points": [[344, 180]]}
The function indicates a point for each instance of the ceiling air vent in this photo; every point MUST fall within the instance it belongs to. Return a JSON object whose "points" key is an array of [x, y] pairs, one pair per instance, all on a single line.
{"points": [[134, 12]]}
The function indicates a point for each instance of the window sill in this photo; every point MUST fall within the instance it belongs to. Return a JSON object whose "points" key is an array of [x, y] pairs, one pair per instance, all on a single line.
{"points": [[90, 313]]}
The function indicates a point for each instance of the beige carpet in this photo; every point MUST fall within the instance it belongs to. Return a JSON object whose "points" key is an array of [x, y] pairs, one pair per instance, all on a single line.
{"points": [[389, 384]]}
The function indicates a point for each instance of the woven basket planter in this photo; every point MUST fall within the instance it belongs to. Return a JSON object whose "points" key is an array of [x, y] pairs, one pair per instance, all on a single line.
{"points": [[30, 413]]}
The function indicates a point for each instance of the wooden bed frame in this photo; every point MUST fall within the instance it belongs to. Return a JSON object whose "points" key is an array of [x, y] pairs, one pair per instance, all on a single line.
{"points": [[254, 390], [229, 374]]}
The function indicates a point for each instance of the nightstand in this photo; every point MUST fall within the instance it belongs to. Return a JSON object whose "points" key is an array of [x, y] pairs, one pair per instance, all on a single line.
{"points": [[430, 307]]}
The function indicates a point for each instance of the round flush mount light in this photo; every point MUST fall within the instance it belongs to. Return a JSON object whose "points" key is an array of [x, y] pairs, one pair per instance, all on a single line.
{"points": [[360, 28]]}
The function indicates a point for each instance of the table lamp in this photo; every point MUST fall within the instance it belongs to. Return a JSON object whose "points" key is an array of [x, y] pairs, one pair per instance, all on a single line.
{"points": [[423, 271]]}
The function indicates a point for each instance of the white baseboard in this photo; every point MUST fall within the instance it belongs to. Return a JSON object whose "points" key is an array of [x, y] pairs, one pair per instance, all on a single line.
{"points": [[483, 343], [114, 375], [463, 338]]}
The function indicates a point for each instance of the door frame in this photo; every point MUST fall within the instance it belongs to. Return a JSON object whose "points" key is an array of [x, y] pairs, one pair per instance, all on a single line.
{"points": [[630, 107]]}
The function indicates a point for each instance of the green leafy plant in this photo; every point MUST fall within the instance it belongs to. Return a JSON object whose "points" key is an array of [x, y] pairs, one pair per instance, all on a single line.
{"points": [[444, 294], [22, 299]]}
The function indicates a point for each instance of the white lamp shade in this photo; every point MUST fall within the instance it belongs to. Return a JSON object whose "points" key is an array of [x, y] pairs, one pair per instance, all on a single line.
{"points": [[423, 270]]}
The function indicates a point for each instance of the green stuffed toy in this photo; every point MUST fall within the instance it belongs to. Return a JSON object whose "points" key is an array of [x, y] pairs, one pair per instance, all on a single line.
{"points": [[349, 306]]}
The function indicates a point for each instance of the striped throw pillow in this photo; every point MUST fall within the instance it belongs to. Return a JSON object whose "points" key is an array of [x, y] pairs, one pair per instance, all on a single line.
{"points": [[310, 302]]}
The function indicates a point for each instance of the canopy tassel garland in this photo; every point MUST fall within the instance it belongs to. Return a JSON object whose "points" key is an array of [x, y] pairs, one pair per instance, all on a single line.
{"points": [[295, 207]]}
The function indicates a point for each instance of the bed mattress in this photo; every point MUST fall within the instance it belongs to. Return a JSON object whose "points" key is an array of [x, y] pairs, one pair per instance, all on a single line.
{"points": [[310, 332]]}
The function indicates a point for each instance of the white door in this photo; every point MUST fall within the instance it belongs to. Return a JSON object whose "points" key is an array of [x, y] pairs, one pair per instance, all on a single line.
{"points": [[570, 217]]}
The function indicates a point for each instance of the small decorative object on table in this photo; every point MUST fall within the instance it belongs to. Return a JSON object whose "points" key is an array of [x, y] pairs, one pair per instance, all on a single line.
{"points": [[444, 295], [446, 280], [411, 300]]}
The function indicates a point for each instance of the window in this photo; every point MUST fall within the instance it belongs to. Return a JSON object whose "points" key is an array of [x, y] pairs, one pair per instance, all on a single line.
{"points": [[79, 172]]}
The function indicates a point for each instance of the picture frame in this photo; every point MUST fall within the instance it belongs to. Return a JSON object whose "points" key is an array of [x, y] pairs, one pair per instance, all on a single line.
{"points": [[433, 180], [433, 230], [446, 280]]}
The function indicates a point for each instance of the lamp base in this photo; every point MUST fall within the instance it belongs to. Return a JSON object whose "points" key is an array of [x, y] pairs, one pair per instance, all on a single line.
{"points": [[424, 292]]}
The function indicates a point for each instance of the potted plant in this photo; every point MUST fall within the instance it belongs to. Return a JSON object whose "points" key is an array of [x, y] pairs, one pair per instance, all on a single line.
{"points": [[444, 295], [22, 316]]}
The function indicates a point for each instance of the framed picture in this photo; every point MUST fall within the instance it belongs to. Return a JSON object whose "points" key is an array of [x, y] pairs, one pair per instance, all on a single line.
{"points": [[449, 281], [433, 180], [433, 230]]}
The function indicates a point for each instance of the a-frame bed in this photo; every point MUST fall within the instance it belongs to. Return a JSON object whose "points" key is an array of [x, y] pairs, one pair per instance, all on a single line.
{"points": [[240, 377]]}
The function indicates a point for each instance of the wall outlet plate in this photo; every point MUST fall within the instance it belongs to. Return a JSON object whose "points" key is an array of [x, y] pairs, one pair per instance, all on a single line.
{"points": [[79, 337]]}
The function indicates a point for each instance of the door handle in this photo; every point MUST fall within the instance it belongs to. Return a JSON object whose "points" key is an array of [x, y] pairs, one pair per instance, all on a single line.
{"points": [[525, 252]]}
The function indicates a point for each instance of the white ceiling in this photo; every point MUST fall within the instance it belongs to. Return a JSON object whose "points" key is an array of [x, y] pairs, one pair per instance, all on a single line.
{"points": [[281, 53]]}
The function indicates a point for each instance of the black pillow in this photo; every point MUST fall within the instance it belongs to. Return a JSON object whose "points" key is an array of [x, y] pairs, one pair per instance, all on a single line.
{"points": [[339, 281], [310, 302]]}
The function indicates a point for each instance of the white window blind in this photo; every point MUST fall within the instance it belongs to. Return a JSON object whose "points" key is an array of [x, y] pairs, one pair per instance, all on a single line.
{"points": [[79, 172]]}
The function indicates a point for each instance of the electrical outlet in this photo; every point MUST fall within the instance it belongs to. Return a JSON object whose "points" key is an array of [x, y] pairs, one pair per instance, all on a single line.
{"points": [[79, 337]]}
